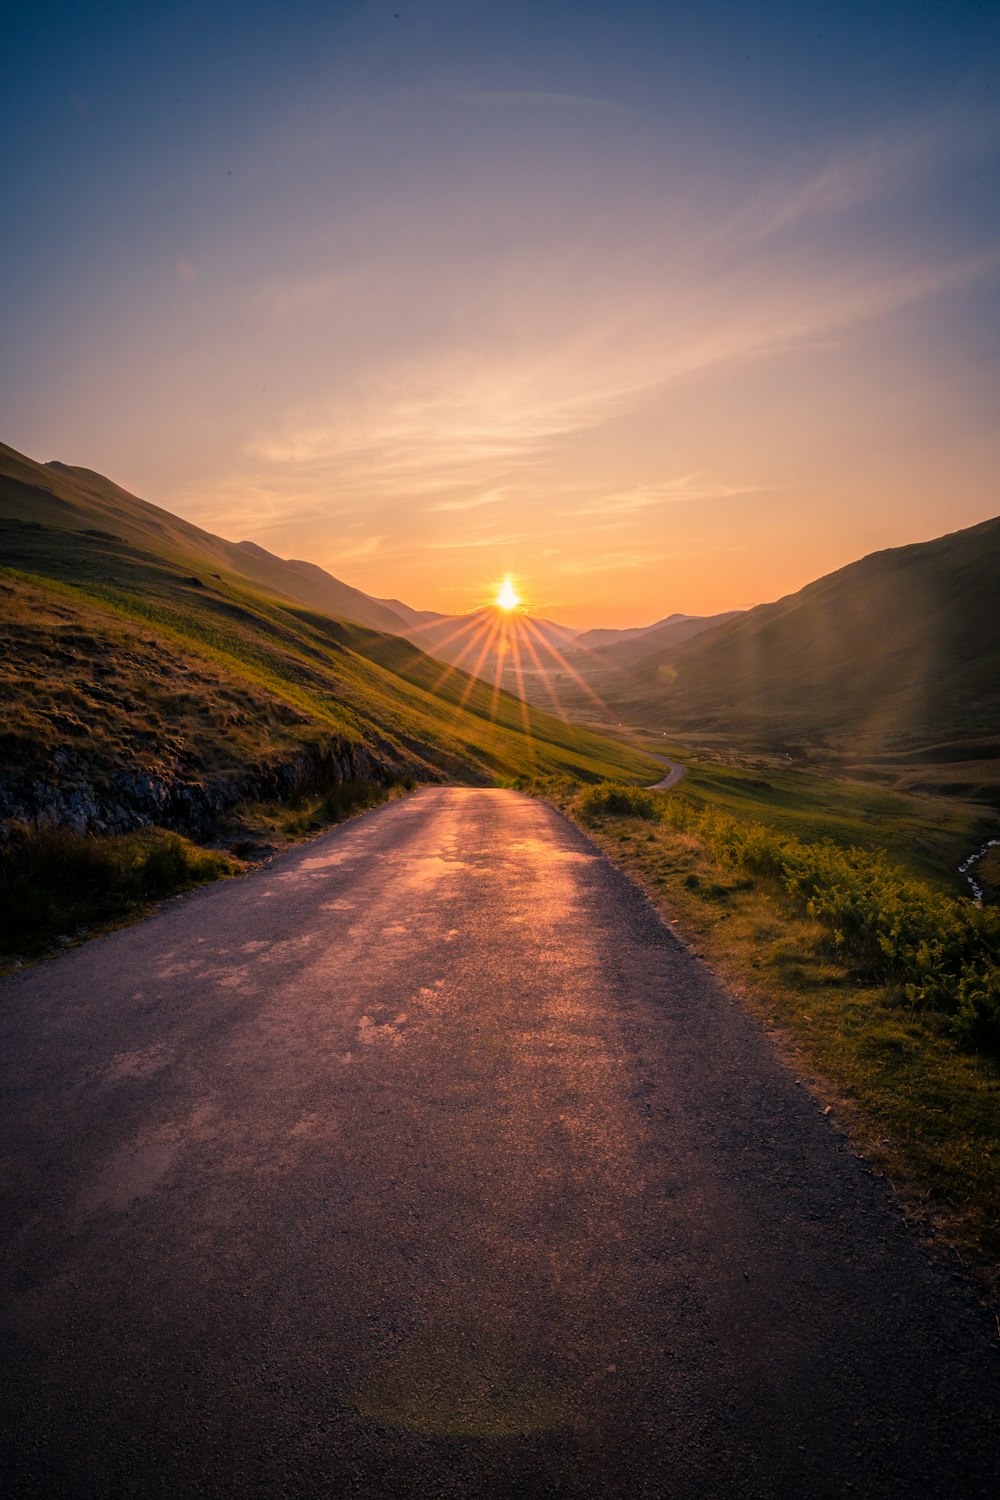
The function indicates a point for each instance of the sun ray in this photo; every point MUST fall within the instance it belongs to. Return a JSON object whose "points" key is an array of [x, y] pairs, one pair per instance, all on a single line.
{"points": [[475, 632], [475, 679], [564, 664], [468, 623], [543, 674], [498, 674], [525, 711]]}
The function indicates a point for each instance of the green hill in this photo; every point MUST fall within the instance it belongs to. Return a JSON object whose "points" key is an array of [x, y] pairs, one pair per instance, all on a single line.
{"points": [[152, 671], [74, 498], [895, 656]]}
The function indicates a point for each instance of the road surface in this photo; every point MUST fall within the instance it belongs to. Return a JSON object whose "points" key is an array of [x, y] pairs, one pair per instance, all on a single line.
{"points": [[673, 776], [426, 1162]]}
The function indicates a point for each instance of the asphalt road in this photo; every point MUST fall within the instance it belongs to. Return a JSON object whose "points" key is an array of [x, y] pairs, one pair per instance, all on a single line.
{"points": [[426, 1162], [673, 776]]}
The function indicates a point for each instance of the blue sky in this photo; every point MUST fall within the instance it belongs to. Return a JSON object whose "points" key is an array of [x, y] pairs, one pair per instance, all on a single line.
{"points": [[655, 307]]}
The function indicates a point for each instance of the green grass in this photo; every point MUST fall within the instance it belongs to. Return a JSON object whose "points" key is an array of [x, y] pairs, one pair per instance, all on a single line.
{"points": [[238, 675], [252, 829], [878, 986], [929, 836], [885, 926], [56, 885]]}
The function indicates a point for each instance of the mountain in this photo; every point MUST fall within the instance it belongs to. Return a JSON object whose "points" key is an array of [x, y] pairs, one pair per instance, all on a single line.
{"points": [[149, 669], [55, 492], [896, 655], [599, 683], [309, 584], [595, 640], [622, 655]]}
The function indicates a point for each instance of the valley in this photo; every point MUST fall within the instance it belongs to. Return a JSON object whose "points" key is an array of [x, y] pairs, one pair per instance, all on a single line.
{"points": [[177, 709]]}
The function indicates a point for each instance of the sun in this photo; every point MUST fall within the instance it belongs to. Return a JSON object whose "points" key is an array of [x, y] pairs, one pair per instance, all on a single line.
{"points": [[506, 598]]}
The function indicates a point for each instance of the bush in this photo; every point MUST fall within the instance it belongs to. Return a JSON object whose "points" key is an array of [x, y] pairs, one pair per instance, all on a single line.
{"points": [[884, 926], [53, 881], [347, 797], [613, 799]]}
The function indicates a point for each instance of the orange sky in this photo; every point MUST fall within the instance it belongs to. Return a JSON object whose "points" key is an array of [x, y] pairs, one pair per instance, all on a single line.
{"points": [[677, 314]]}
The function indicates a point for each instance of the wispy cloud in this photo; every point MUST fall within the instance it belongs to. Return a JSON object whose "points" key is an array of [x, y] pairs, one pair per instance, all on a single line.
{"points": [[609, 562], [467, 396], [464, 423], [875, 166], [686, 488], [472, 502]]}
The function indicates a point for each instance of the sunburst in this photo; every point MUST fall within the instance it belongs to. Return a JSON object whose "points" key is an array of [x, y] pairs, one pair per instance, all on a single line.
{"points": [[507, 598]]}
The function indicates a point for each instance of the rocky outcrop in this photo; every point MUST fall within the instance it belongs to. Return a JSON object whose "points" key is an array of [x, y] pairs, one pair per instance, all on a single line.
{"points": [[85, 802]]}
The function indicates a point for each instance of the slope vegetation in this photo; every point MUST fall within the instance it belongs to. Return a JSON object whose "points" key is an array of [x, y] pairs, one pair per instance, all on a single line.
{"points": [[146, 678], [896, 656]]}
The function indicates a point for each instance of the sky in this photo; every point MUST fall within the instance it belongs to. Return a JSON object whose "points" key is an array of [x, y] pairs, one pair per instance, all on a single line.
{"points": [[654, 307]]}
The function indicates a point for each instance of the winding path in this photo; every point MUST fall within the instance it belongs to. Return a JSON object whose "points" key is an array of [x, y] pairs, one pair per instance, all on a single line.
{"points": [[673, 776], [427, 1162]]}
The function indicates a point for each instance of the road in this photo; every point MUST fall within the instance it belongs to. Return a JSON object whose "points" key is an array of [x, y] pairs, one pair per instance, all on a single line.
{"points": [[427, 1162], [673, 776]]}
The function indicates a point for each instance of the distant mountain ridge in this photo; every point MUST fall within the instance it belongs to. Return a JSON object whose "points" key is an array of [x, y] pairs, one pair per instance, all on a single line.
{"points": [[596, 640], [897, 650], [144, 524], [620, 655], [313, 585]]}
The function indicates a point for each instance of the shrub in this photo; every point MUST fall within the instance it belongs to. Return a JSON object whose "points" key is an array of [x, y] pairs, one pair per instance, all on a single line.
{"points": [[52, 881], [884, 926], [612, 798]]}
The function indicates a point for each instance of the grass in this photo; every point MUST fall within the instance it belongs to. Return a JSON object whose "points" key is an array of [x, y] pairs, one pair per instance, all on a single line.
{"points": [[858, 968], [929, 836], [254, 829], [138, 666], [56, 886]]}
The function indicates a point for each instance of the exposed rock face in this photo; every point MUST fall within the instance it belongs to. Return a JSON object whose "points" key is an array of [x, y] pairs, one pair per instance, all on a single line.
{"points": [[129, 799]]}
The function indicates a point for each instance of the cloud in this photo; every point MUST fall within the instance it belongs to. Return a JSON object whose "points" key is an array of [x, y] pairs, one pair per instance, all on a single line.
{"points": [[685, 488], [472, 502], [876, 166], [609, 562], [454, 378], [366, 548], [466, 423]]}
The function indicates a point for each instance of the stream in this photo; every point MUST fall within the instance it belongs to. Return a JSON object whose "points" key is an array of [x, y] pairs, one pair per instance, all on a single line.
{"points": [[966, 868]]}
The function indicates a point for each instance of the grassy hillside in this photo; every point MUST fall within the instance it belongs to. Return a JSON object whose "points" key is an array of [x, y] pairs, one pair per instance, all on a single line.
{"points": [[901, 646], [134, 656], [70, 498], [889, 668]]}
